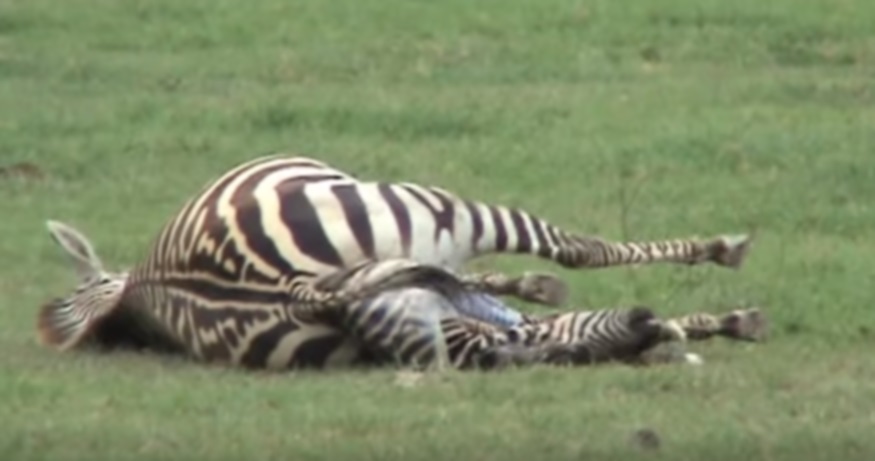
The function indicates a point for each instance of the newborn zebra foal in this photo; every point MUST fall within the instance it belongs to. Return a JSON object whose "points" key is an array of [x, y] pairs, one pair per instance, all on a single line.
{"points": [[614, 334], [445, 325], [626, 335]]}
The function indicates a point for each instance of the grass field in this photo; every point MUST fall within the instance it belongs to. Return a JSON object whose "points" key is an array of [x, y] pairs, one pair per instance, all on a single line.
{"points": [[627, 120]]}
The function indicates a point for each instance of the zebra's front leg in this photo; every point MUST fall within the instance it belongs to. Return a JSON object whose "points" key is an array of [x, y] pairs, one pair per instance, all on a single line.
{"points": [[474, 344], [625, 335], [739, 324], [540, 288]]}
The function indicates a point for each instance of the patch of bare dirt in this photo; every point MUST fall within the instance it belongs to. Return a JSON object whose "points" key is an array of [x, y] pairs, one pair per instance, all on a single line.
{"points": [[22, 170]]}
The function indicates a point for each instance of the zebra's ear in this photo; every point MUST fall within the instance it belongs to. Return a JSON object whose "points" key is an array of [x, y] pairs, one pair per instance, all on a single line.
{"points": [[85, 259]]}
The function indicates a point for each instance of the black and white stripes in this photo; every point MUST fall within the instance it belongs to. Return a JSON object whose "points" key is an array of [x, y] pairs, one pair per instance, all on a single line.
{"points": [[230, 274]]}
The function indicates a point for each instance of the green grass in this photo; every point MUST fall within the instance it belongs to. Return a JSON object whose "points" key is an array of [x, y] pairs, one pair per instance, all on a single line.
{"points": [[624, 119]]}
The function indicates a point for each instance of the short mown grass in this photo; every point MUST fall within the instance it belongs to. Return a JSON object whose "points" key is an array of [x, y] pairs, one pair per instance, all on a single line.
{"points": [[631, 121]]}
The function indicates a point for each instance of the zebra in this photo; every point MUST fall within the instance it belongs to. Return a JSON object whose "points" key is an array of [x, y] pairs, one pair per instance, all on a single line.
{"points": [[626, 335], [403, 324], [224, 274], [421, 327], [92, 316]]}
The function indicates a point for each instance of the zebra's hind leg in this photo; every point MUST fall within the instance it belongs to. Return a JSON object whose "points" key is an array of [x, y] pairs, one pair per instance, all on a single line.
{"points": [[640, 338], [402, 325], [537, 287]]}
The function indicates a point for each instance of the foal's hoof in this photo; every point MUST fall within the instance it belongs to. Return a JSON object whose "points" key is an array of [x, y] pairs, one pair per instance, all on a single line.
{"points": [[746, 325], [541, 288]]}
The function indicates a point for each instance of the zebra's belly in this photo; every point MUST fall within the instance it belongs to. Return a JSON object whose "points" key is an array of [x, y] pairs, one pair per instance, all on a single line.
{"points": [[255, 334], [262, 334], [273, 342], [290, 345]]}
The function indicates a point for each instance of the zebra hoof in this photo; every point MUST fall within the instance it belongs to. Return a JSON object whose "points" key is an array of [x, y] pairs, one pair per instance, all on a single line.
{"points": [[746, 325], [729, 250], [673, 331], [541, 288]]}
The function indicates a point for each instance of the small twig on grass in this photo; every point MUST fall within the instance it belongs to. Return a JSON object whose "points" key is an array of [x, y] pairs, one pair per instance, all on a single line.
{"points": [[625, 197]]}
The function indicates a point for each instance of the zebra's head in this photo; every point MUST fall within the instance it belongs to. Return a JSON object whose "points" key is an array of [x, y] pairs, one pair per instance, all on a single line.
{"points": [[65, 322]]}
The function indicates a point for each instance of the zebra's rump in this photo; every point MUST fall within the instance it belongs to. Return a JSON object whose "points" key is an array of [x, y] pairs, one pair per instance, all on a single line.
{"points": [[252, 225]]}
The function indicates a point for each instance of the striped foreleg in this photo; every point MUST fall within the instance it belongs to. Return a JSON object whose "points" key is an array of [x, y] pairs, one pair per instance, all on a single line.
{"points": [[540, 288], [624, 335], [614, 334], [738, 324], [472, 344]]}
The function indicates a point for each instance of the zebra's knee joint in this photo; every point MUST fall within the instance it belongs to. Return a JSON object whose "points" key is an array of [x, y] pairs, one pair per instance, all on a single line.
{"points": [[546, 289], [673, 331]]}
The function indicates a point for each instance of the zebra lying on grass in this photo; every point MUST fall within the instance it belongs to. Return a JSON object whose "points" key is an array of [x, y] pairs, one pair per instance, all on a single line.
{"points": [[423, 317], [228, 274]]}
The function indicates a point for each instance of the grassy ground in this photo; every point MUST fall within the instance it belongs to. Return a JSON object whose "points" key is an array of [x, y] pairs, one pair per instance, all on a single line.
{"points": [[644, 120]]}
